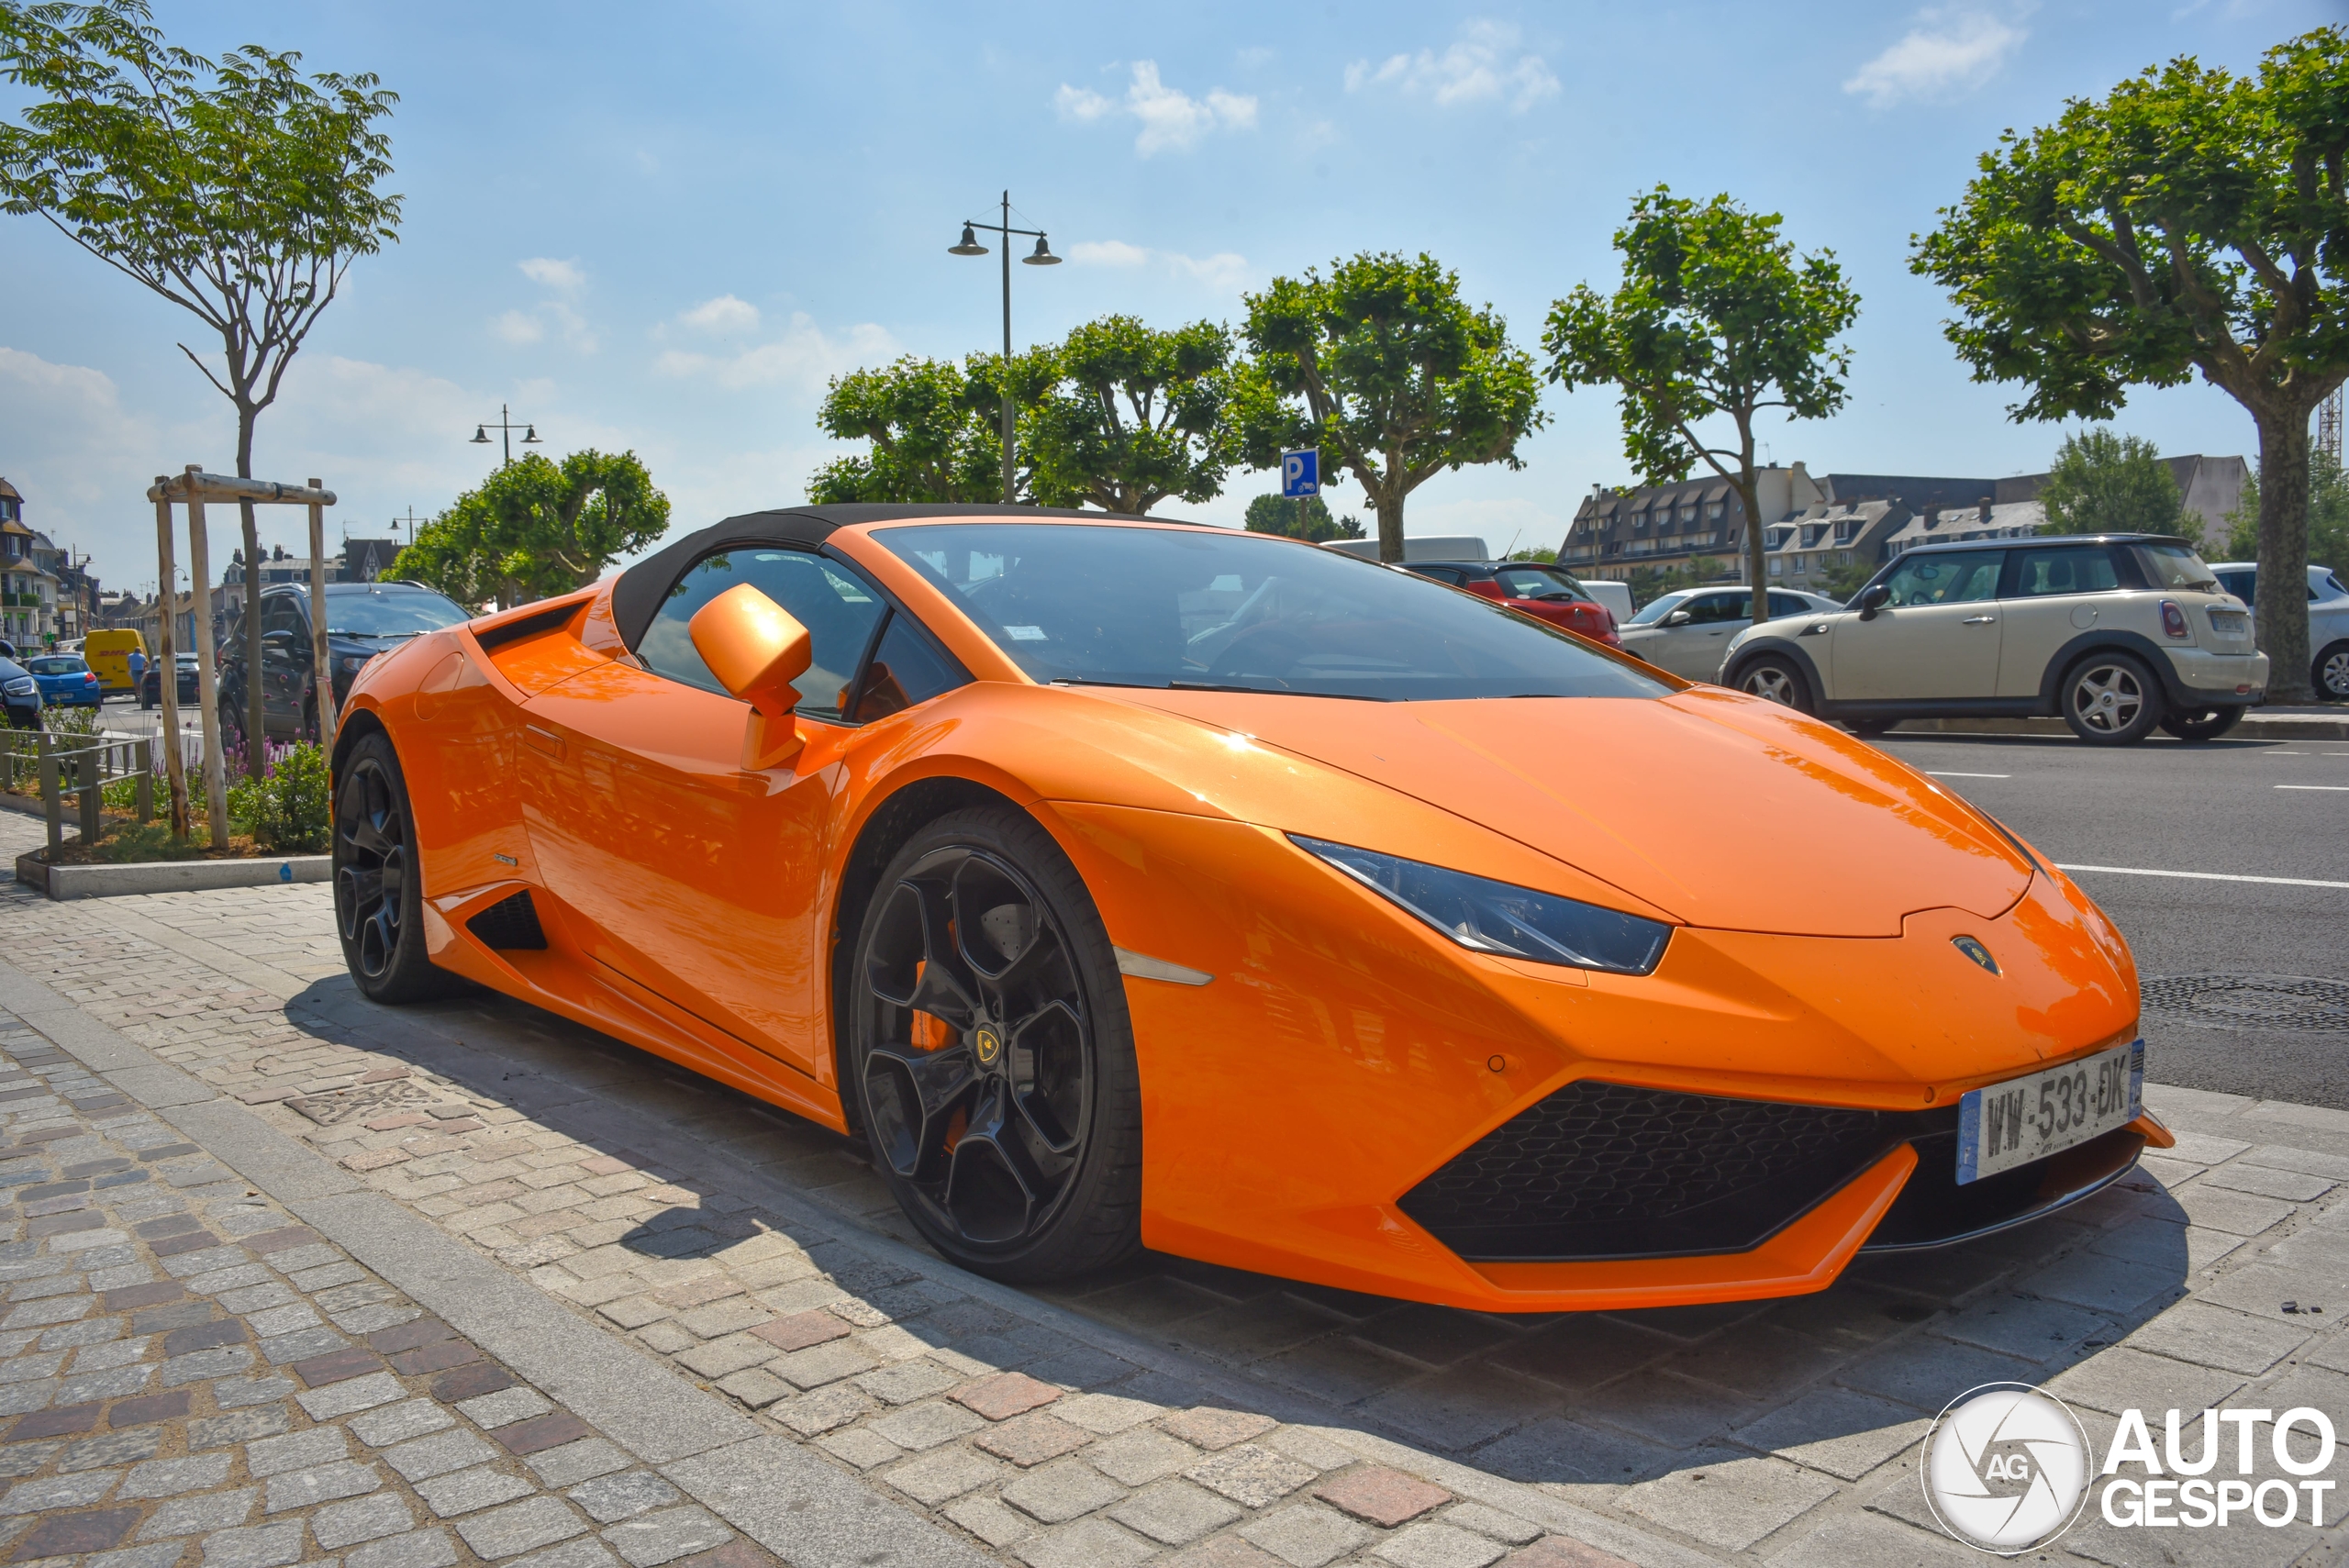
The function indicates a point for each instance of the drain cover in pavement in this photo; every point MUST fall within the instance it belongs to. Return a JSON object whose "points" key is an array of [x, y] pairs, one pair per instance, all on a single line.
{"points": [[2252, 1001]]}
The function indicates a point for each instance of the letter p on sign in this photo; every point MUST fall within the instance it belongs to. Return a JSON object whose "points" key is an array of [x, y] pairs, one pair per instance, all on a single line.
{"points": [[1300, 473]]}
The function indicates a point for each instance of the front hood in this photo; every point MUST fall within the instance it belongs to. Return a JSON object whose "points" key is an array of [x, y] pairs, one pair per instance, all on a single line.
{"points": [[1723, 810]]}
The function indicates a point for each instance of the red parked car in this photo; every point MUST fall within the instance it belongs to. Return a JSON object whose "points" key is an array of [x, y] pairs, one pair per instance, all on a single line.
{"points": [[1542, 591]]}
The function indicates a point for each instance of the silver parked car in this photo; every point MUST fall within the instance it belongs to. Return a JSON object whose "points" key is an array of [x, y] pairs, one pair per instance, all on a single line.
{"points": [[2328, 621], [1688, 630]]}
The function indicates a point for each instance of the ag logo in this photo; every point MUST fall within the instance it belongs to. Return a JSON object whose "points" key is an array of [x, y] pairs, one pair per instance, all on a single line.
{"points": [[988, 1044], [2006, 1468]]}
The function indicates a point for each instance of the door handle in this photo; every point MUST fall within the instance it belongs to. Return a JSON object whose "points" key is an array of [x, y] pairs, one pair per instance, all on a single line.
{"points": [[1978, 620], [545, 740]]}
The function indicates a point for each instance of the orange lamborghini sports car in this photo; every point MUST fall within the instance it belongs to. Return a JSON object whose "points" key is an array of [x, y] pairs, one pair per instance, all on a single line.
{"points": [[1129, 883]]}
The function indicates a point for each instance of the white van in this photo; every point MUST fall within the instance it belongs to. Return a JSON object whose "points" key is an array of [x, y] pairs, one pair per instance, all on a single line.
{"points": [[1616, 596]]}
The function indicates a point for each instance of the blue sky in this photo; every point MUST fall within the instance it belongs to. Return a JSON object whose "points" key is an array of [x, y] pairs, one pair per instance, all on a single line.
{"points": [[662, 227]]}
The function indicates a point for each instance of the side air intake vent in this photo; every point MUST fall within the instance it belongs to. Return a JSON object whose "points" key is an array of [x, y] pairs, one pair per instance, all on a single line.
{"points": [[509, 925]]}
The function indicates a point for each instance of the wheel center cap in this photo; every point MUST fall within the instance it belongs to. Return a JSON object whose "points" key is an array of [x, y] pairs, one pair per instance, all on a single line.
{"points": [[987, 1044]]}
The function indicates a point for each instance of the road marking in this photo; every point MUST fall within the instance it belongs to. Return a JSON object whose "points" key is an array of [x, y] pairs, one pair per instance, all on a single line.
{"points": [[1940, 774], [2207, 875], [2343, 789]]}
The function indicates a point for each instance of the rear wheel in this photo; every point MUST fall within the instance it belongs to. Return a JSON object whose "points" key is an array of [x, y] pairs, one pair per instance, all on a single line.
{"points": [[378, 895], [2111, 699], [1774, 680], [992, 1055], [2201, 723], [2330, 675]]}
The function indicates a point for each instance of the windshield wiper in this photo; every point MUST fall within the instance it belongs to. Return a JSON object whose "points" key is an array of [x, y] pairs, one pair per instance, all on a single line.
{"points": [[1207, 686]]}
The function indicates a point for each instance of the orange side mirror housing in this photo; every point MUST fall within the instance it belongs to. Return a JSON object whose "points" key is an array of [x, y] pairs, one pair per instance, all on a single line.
{"points": [[756, 649]]}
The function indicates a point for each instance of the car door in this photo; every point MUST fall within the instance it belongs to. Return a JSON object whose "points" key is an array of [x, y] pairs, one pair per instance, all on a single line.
{"points": [[1935, 637], [2055, 594], [1693, 650], [699, 878], [284, 663]]}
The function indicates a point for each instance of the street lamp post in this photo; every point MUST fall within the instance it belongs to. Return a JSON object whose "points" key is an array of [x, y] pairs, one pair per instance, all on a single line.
{"points": [[1041, 257], [506, 427]]}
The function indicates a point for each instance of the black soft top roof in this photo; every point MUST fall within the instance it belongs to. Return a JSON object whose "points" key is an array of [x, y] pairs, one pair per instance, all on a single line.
{"points": [[638, 595]]}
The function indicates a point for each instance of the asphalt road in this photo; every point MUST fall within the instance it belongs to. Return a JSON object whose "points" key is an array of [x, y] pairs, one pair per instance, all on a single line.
{"points": [[2246, 809]]}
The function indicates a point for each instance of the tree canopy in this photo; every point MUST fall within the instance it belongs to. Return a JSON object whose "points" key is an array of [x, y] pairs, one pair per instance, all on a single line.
{"points": [[1307, 518], [2191, 221], [2102, 483], [1384, 367], [1135, 416], [1716, 315], [536, 529], [935, 428]]}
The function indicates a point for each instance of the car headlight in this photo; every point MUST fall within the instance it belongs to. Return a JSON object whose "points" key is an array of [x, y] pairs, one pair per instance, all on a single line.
{"points": [[354, 662], [22, 686], [1501, 918]]}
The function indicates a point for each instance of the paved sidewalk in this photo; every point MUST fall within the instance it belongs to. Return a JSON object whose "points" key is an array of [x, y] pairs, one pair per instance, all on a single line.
{"points": [[1203, 1415]]}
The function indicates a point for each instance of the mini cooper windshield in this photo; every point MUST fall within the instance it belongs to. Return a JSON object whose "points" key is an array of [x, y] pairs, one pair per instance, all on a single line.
{"points": [[1221, 610]]}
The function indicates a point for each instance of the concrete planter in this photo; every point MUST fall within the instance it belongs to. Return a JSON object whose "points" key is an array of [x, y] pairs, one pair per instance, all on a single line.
{"points": [[169, 876]]}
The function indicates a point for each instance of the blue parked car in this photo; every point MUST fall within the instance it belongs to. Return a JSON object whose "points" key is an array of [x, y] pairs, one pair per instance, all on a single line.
{"points": [[66, 680], [19, 695]]}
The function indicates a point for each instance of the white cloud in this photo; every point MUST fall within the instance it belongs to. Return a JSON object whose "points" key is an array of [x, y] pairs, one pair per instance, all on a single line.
{"points": [[1171, 120], [803, 358], [1484, 64], [519, 326], [1225, 271], [1947, 53], [724, 314], [568, 277]]}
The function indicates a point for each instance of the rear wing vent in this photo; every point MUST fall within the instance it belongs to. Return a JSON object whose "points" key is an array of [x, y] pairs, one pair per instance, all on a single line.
{"points": [[510, 924]]}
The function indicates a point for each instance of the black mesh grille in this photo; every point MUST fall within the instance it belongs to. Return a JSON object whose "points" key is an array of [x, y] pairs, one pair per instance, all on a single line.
{"points": [[1609, 1171], [509, 924]]}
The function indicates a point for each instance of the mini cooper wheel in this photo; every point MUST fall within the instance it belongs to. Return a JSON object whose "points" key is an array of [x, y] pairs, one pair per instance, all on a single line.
{"points": [[378, 895], [1774, 680], [992, 1056], [2201, 723], [2111, 699], [2329, 673]]}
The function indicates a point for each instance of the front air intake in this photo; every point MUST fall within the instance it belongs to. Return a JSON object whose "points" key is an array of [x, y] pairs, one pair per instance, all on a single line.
{"points": [[510, 924]]}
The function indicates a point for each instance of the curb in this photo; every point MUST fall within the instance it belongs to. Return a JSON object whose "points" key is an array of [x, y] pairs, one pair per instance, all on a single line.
{"points": [[169, 876], [2253, 727]]}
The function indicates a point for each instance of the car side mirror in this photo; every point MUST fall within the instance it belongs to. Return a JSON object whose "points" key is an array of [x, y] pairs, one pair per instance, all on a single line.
{"points": [[1679, 617], [1873, 599], [756, 649]]}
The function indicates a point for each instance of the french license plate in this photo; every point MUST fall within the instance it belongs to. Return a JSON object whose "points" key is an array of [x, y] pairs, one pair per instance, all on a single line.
{"points": [[2229, 623], [2005, 1125]]}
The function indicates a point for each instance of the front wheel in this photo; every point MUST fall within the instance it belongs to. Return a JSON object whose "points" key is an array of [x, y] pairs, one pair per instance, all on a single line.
{"points": [[2329, 673], [2111, 699], [378, 894], [992, 1056], [1775, 680], [2201, 723]]}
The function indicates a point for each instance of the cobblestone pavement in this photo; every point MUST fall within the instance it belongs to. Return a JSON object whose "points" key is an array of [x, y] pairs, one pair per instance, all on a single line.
{"points": [[1225, 1418]]}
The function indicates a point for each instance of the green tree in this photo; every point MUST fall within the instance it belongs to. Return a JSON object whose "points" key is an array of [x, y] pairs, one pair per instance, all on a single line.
{"points": [[1542, 557], [935, 428], [238, 189], [1133, 416], [1306, 518], [2107, 484], [1843, 579], [1385, 368], [2192, 221], [536, 529], [2328, 517], [1716, 316]]}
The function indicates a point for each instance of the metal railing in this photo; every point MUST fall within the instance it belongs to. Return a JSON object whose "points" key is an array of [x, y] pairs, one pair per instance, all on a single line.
{"points": [[81, 766]]}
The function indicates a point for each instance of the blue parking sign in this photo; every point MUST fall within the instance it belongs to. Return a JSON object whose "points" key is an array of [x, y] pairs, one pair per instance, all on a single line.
{"points": [[1300, 473]]}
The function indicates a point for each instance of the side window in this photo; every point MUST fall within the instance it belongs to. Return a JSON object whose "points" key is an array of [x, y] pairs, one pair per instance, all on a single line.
{"points": [[839, 611], [1787, 604], [2075, 571], [1708, 608], [280, 613], [2243, 585], [905, 670], [1441, 574], [1959, 577]]}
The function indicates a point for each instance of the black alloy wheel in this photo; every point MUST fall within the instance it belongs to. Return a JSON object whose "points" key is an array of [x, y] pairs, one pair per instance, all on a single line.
{"points": [[378, 897], [993, 1056], [2201, 723]]}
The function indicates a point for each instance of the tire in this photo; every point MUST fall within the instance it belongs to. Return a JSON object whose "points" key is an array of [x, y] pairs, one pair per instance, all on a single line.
{"points": [[378, 895], [2329, 673], [2109, 698], [144, 701], [1869, 729], [1019, 1181], [1773, 679], [2201, 723]]}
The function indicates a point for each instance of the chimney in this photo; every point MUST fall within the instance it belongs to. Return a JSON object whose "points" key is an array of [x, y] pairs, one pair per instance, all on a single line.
{"points": [[1985, 513]]}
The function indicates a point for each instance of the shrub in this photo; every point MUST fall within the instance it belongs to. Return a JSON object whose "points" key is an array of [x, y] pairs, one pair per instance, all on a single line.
{"points": [[290, 809]]}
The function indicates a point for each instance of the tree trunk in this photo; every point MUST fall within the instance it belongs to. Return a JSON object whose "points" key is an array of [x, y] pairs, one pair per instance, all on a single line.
{"points": [[256, 746], [1757, 556], [1389, 502], [2283, 606]]}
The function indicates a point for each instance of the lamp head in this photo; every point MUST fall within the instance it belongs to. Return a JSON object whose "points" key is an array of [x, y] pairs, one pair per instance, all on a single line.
{"points": [[1041, 256], [529, 435], [481, 436], [970, 246]]}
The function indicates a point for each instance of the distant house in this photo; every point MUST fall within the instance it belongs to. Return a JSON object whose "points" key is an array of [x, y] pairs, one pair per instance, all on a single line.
{"points": [[365, 560]]}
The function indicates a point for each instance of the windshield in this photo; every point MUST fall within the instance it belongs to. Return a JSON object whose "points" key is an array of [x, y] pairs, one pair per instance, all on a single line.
{"points": [[1539, 583], [1220, 609], [1655, 610], [378, 612], [56, 666], [2173, 566]]}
